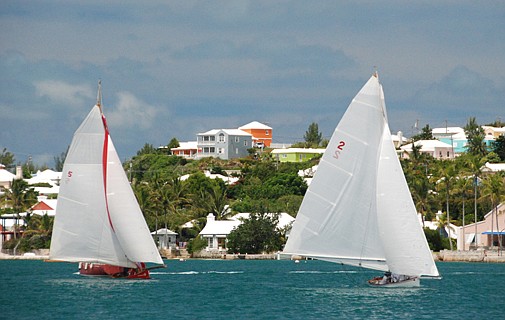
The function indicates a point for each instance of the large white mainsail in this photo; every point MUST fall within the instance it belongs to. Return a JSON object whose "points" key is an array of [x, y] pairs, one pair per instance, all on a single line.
{"points": [[358, 209], [98, 218], [337, 220]]}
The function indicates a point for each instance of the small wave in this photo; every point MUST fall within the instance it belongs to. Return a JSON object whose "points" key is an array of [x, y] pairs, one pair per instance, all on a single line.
{"points": [[321, 272], [198, 272]]}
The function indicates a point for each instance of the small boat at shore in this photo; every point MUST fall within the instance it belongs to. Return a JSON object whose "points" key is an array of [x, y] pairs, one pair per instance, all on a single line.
{"points": [[98, 221], [358, 209]]}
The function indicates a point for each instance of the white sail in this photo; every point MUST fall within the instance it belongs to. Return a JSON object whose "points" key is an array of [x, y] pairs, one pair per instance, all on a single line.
{"points": [[98, 218], [404, 242], [337, 220], [358, 209]]}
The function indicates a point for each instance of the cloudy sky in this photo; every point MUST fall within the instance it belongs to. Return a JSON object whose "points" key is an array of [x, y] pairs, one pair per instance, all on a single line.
{"points": [[177, 68]]}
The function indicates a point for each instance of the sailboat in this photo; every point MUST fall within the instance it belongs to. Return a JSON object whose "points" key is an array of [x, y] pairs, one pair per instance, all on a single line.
{"points": [[358, 209], [98, 221]]}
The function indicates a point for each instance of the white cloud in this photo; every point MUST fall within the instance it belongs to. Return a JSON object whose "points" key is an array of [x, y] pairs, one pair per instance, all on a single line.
{"points": [[64, 93], [131, 112]]}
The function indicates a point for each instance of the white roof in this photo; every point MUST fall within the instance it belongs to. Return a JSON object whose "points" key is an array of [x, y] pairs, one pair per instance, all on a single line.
{"points": [[309, 172], [6, 175], [448, 130], [255, 125], [230, 132], [219, 227], [164, 231], [186, 145], [457, 133], [427, 145], [298, 150], [228, 180], [493, 167], [47, 176], [47, 190]]}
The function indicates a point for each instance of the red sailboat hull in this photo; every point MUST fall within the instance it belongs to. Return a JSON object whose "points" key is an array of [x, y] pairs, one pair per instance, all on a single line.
{"points": [[99, 269]]}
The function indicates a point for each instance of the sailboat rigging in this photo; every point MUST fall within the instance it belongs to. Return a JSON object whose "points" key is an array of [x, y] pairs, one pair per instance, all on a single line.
{"points": [[98, 221], [358, 209]]}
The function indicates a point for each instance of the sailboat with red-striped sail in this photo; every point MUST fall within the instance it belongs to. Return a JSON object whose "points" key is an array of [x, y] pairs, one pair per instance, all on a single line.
{"points": [[98, 221]]}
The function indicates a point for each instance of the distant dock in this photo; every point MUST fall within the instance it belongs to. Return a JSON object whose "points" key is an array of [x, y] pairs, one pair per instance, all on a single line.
{"points": [[490, 256]]}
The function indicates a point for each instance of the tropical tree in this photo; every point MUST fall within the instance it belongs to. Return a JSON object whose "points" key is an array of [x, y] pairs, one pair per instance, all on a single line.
{"points": [[255, 235], [448, 174], [463, 186], [473, 165], [493, 188], [174, 143], [425, 134], [312, 136], [20, 197], [498, 147], [475, 136], [60, 160], [6, 158]]}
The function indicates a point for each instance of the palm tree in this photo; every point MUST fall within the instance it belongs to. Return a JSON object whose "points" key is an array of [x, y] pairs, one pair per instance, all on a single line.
{"points": [[20, 197], [463, 185], [493, 187], [445, 224], [448, 173], [475, 135], [474, 165]]}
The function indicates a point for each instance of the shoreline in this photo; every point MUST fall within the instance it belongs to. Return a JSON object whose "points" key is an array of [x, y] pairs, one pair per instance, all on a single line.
{"points": [[482, 256]]}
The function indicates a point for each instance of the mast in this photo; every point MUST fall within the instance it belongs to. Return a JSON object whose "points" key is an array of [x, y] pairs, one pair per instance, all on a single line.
{"points": [[99, 95]]}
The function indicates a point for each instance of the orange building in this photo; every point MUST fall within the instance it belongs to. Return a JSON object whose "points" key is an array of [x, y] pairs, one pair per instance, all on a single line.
{"points": [[261, 133]]}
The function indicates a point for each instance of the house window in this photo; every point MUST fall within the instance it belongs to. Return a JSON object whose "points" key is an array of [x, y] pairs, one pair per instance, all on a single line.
{"points": [[440, 154], [448, 154], [284, 155], [212, 149], [267, 132], [236, 150], [237, 139], [221, 137], [220, 150], [245, 143]]}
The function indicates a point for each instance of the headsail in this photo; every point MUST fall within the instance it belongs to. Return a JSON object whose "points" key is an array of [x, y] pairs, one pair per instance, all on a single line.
{"points": [[98, 218], [405, 245]]}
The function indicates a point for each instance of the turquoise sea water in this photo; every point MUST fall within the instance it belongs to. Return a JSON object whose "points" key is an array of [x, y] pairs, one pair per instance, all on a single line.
{"points": [[247, 289]]}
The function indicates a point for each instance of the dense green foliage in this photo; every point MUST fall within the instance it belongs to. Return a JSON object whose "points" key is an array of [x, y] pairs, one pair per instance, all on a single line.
{"points": [[258, 234]]}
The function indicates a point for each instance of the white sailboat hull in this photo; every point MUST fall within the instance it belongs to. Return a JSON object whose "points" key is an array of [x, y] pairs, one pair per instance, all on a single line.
{"points": [[413, 282]]}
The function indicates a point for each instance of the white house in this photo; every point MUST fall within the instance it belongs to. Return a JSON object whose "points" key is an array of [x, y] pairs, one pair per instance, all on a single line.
{"points": [[437, 149], [165, 238], [216, 232]]}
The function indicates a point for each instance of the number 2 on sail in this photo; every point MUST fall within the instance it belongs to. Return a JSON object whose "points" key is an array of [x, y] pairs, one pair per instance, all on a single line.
{"points": [[340, 147]]}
